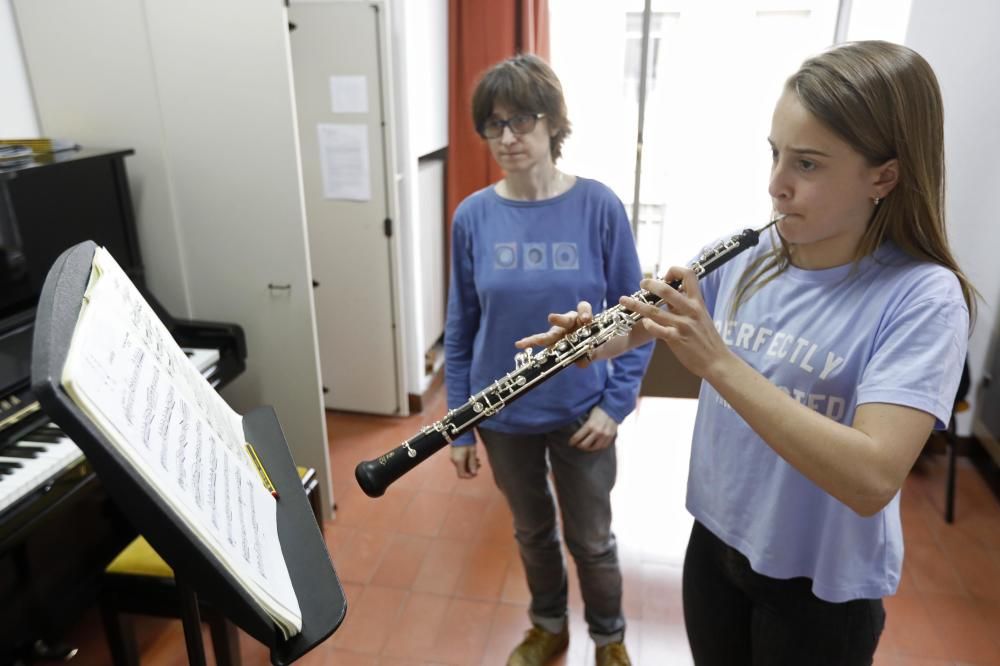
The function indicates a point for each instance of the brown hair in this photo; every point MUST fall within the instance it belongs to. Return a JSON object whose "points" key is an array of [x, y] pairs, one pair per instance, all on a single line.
{"points": [[883, 99], [524, 83]]}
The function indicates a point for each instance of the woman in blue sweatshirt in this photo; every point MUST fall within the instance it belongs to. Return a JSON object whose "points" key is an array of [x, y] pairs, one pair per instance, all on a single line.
{"points": [[541, 241]]}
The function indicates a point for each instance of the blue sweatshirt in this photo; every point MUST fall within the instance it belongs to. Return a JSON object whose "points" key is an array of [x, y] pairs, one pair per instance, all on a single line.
{"points": [[514, 262]]}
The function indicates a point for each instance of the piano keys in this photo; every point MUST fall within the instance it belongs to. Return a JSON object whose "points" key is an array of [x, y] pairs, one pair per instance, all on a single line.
{"points": [[29, 464]]}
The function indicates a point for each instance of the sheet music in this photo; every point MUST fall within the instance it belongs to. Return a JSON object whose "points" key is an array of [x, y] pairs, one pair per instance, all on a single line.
{"points": [[126, 371]]}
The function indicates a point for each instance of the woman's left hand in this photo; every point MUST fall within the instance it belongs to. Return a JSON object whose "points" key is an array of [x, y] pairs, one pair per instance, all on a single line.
{"points": [[685, 324], [596, 433]]}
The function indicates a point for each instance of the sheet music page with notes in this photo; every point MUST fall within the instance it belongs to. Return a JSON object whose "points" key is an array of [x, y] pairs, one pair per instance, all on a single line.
{"points": [[125, 371]]}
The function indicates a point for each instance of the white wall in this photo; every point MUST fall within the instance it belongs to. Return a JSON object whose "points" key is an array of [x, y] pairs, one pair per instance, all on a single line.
{"points": [[426, 53], [79, 97], [963, 49], [420, 40], [17, 113]]}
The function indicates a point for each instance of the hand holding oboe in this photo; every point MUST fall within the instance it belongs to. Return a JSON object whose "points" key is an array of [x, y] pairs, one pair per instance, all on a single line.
{"points": [[562, 324]]}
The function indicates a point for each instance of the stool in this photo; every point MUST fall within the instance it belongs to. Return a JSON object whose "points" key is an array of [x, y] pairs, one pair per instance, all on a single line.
{"points": [[139, 582]]}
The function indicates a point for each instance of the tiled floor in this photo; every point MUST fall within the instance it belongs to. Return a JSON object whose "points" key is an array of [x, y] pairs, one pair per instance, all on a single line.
{"points": [[432, 576]]}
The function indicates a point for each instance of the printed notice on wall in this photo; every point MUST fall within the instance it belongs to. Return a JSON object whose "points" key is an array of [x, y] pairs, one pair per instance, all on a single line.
{"points": [[343, 158], [349, 94]]}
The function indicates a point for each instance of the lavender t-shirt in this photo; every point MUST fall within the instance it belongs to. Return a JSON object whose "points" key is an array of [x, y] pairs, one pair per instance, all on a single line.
{"points": [[892, 330]]}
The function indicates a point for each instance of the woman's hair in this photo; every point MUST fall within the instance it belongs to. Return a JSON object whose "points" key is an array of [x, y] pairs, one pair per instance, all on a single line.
{"points": [[884, 101], [524, 83]]}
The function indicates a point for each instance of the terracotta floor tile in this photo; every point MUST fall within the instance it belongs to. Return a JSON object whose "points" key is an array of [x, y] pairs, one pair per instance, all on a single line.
{"points": [[482, 485], [465, 517], [389, 509], [510, 621], [498, 523], [932, 571], [401, 561], [425, 513], [884, 659], [978, 570], [413, 635], [581, 648], [442, 566], [660, 643], [661, 594], [370, 619], [906, 584], [438, 473], [354, 508], [464, 632], [912, 628], [348, 658], [357, 560], [484, 571], [904, 660], [632, 583], [914, 519], [966, 636], [515, 587]]}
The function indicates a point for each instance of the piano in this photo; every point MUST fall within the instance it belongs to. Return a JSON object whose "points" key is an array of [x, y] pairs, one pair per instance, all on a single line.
{"points": [[58, 527]]}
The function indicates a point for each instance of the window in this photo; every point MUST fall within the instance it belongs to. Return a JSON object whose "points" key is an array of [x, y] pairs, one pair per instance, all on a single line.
{"points": [[715, 69]]}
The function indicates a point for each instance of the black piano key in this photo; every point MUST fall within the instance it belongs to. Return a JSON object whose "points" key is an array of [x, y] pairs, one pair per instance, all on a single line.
{"points": [[10, 465], [37, 436], [22, 452], [50, 430]]}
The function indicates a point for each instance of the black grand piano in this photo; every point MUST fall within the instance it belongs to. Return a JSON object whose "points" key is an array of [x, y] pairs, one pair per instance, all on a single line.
{"points": [[58, 527]]}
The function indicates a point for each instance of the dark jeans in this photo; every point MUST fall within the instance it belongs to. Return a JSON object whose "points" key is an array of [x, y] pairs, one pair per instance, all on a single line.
{"points": [[583, 482], [736, 616]]}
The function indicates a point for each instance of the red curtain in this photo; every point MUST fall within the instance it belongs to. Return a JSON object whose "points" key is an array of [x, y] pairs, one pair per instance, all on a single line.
{"points": [[480, 34]]}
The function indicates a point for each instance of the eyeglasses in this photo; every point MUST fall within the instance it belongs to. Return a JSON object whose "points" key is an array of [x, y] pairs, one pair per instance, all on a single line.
{"points": [[519, 123]]}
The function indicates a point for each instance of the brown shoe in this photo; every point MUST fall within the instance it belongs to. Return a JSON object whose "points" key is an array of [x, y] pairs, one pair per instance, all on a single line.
{"points": [[538, 647], [613, 654]]}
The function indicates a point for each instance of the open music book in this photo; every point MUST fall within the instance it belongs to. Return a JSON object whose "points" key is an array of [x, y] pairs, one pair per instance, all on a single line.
{"points": [[126, 372]]}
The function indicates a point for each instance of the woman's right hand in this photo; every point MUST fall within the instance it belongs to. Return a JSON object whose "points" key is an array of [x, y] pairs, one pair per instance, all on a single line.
{"points": [[466, 460], [561, 325]]}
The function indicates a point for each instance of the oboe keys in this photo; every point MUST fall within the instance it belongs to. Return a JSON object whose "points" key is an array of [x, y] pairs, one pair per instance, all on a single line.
{"points": [[523, 359]]}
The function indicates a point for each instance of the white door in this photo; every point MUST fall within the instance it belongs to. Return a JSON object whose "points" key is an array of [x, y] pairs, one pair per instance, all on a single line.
{"points": [[340, 60]]}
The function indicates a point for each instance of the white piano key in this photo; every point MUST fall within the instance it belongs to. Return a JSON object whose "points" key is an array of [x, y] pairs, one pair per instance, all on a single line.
{"points": [[53, 458]]}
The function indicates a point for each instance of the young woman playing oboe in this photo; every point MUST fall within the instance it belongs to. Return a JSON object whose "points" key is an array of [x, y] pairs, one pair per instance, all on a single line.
{"points": [[828, 353]]}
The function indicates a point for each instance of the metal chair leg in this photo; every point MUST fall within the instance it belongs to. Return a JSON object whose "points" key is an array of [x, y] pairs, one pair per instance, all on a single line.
{"points": [[949, 505]]}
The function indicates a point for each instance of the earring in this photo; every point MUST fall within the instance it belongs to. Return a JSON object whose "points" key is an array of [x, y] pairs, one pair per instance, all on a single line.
{"points": [[877, 200]]}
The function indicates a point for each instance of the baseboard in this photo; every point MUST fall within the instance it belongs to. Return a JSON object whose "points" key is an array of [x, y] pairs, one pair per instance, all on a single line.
{"points": [[417, 401]]}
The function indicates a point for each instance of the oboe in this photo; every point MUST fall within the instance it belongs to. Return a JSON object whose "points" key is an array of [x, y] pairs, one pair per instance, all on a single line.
{"points": [[530, 370]]}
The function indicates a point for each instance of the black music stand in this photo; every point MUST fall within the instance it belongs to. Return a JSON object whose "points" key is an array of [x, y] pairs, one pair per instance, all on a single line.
{"points": [[197, 570]]}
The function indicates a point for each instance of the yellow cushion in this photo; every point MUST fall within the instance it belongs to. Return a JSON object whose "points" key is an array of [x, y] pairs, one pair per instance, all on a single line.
{"points": [[139, 558]]}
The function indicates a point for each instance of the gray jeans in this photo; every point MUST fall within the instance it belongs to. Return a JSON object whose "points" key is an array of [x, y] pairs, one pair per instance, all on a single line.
{"points": [[583, 483]]}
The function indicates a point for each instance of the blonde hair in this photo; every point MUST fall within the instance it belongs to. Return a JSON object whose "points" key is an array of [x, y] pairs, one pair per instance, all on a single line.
{"points": [[883, 99]]}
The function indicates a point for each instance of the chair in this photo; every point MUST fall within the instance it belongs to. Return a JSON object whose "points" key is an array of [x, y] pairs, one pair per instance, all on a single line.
{"points": [[951, 439], [139, 582]]}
